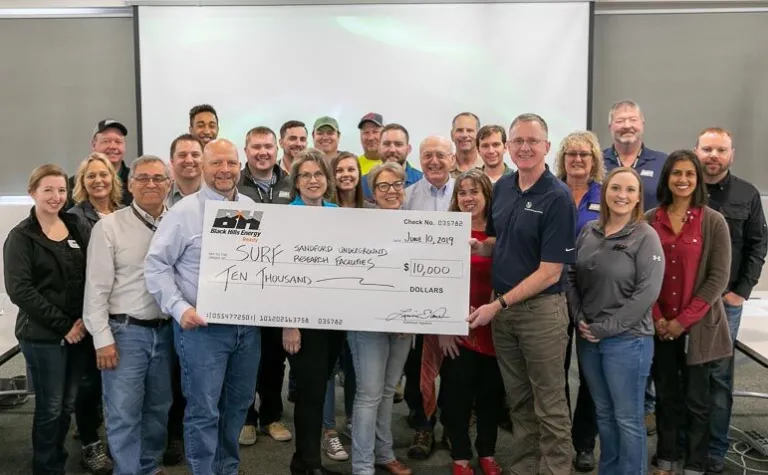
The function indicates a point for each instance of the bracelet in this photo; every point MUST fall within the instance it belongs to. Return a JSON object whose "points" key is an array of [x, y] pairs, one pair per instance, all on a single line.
{"points": [[502, 302]]}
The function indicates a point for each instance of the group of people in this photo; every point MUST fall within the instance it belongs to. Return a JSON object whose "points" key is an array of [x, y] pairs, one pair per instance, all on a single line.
{"points": [[645, 269]]}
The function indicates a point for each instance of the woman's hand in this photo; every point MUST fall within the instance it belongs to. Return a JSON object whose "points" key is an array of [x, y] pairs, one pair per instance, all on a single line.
{"points": [[586, 333], [448, 345], [661, 328], [291, 340], [674, 329], [76, 333]]}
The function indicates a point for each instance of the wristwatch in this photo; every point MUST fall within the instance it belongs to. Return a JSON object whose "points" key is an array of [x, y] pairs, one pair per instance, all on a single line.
{"points": [[502, 302]]}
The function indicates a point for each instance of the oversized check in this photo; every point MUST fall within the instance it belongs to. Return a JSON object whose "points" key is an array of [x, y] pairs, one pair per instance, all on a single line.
{"points": [[335, 268]]}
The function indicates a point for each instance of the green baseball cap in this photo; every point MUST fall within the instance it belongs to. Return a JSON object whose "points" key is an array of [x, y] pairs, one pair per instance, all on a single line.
{"points": [[325, 120]]}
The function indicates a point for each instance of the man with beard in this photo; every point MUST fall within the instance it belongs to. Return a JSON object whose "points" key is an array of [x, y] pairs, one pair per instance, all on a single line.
{"points": [[739, 202], [628, 150], [293, 139], [219, 362], [394, 146], [204, 123]]}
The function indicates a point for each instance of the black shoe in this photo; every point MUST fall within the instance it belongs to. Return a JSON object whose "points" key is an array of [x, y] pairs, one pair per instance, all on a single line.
{"points": [[95, 459], [585, 461], [174, 452], [422, 445], [715, 465]]}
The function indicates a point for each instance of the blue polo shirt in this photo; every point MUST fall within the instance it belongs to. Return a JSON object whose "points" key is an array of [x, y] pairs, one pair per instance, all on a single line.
{"points": [[589, 207], [648, 165], [532, 226], [411, 176]]}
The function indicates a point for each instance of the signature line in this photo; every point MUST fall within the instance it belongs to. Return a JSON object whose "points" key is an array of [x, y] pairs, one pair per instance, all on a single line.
{"points": [[359, 280]]}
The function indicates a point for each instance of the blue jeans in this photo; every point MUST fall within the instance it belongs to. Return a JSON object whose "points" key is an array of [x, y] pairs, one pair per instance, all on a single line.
{"points": [[722, 392], [138, 396], [616, 370], [55, 370], [379, 359], [219, 364], [329, 406]]}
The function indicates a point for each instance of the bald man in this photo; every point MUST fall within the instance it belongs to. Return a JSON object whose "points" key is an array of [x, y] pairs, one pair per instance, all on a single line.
{"points": [[212, 356], [433, 191]]}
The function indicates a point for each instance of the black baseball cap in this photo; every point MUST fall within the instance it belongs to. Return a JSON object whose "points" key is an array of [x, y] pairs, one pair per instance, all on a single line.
{"points": [[372, 117], [109, 124]]}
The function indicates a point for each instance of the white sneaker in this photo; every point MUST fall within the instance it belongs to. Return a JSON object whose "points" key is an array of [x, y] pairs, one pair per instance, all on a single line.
{"points": [[248, 435], [333, 448]]}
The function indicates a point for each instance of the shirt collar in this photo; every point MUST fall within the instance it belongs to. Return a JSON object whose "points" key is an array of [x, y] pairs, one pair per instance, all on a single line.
{"points": [[146, 216], [211, 194], [617, 158], [540, 187], [434, 191], [478, 163]]}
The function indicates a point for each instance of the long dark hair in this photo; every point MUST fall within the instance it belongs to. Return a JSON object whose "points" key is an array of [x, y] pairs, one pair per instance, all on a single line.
{"points": [[481, 180], [359, 188], [664, 194]]}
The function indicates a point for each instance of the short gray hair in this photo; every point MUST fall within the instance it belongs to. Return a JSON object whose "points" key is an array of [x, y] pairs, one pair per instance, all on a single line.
{"points": [[148, 159], [530, 117], [626, 103], [392, 167]]}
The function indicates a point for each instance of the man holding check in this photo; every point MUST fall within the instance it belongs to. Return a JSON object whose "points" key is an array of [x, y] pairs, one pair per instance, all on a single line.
{"points": [[531, 229], [213, 357]]}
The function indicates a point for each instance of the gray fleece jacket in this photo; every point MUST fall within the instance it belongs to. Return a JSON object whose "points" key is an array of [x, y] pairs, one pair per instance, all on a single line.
{"points": [[616, 280]]}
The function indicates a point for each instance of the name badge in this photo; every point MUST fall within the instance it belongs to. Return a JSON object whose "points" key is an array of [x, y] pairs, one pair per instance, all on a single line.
{"points": [[284, 194], [73, 244], [648, 173], [594, 207]]}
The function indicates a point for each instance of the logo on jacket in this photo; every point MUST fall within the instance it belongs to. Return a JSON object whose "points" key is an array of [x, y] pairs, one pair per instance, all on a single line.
{"points": [[657, 258]]}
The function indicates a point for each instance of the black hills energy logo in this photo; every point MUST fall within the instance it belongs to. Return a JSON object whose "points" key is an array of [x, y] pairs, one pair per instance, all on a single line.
{"points": [[237, 222]]}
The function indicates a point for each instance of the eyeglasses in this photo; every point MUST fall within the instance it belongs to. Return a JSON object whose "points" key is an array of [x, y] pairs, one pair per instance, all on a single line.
{"points": [[156, 179], [519, 142], [306, 176], [574, 154], [384, 186]]}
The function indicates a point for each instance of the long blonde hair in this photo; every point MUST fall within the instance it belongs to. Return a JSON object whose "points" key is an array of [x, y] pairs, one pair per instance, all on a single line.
{"points": [[80, 194]]}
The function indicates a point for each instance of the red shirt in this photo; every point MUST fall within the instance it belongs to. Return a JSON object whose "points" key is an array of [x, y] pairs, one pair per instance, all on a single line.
{"points": [[682, 253], [480, 291]]}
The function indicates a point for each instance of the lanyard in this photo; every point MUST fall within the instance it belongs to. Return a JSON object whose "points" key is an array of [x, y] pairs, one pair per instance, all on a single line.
{"points": [[149, 225], [261, 197]]}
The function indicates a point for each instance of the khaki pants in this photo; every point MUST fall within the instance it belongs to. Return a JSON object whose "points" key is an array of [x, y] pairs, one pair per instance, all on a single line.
{"points": [[530, 339]]}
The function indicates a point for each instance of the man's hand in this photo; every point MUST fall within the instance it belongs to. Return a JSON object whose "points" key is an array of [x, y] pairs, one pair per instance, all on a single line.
{"points": [[448, 345], [734, 300], [190, 319], [661, 328], [586, 333], [76, 333], [291, 340], [106, 357], [483, 315], [674, 329]]}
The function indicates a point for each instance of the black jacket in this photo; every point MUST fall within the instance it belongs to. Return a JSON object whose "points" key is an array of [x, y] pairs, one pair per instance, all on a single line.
{"points": [[87, 214], [739, 202], [279, 193], [36, 282]]}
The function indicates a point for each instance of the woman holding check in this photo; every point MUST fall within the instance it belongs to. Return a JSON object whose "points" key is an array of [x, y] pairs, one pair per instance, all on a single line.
{"points": [[379, 359], [312, 353]]}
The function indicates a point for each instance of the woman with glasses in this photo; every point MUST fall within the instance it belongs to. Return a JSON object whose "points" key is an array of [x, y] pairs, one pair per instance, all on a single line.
{"points": [[579, 164], [612, 287], [45, 277], [312, 353], [469, 370], [691, 325], [98, 191], [379, 360]]}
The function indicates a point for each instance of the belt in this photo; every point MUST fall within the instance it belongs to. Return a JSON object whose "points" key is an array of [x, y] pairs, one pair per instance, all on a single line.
{"points": [[155, 323]]}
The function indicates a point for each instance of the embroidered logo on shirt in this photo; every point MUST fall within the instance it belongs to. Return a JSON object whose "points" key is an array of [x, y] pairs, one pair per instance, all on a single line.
{"points": [[528, 205], [648, 173], [73, 244]]}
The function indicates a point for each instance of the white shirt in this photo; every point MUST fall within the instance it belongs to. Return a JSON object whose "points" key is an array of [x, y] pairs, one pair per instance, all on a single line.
{"points": [[115, 272], [424, 196]]}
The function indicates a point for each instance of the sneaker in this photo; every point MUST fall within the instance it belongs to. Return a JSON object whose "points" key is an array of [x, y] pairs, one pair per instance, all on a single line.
{"points": [[459, 469], [95, 459], [584, 461], [422, 445], [489, 466], [715, 465], [399, 392], [248, 435], [332, 446], [174, 452], [650, 423], [347, 431], [277, 431]]}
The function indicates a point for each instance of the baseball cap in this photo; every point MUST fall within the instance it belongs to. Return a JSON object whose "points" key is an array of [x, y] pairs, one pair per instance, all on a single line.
{"points": [[325, 120], [109, 124], [374, 117]]}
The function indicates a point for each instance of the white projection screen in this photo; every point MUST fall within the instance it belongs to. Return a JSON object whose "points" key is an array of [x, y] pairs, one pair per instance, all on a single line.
{"points": [[418, 65]]}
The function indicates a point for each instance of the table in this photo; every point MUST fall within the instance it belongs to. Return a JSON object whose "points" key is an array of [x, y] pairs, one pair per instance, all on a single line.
{"points": [[753, 335]]}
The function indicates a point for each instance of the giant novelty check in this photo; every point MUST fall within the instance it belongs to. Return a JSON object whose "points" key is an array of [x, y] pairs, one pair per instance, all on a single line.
{"points": [[335, 268]]}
